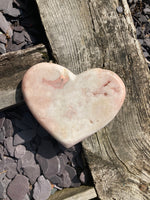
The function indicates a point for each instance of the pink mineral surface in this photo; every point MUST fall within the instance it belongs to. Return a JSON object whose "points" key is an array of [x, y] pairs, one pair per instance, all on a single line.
{"points": [[72, 107]]}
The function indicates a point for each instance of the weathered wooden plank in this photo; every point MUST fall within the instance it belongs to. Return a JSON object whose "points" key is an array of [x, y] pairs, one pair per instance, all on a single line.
{"points": [[79, 193], [90, 33], [12, 68]]}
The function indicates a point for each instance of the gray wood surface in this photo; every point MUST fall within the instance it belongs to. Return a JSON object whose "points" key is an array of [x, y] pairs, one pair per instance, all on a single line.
{"points": [[90, 33], [12, 68]]}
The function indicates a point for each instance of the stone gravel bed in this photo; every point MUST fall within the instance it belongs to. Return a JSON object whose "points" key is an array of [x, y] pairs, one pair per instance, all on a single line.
{"points": [[32, 163]]}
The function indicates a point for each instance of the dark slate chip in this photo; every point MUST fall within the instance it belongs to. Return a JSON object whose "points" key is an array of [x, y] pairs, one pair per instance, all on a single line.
{"points": [[147, 42], [27, 159], [1, 152], [2, 165], [8, 128], [5, 4], [3, 40], [13, 12], [5, 182], [24, 136], [64, 157], [32, 172], [19, 166], [18, 28], [14, 47], [8, 144], [2, 134], [61, 165], [47, 159], [42, 189], [20, 151], [75, 182], [66, 181], [146, 54], [56, 180], [2, 119], [1, 190], [2, 48], [18, 188], [5, 26], [18, 37], [11, 170], [10, 166], [27, 36]]}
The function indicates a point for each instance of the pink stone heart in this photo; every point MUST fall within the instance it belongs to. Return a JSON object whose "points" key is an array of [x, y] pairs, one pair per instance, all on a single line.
{"points": [[72, 107]]}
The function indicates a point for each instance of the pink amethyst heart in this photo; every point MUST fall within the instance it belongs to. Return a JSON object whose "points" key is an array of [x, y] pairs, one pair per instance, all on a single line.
{"points": [[72, 107]]}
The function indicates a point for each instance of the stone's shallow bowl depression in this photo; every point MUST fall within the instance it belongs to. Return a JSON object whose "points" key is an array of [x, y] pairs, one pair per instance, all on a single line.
{"points": [[72, 107]]}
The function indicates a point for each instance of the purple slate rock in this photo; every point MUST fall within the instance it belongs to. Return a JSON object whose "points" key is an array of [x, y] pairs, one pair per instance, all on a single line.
{"points": [[24, 136], [2, 134], [5, 26], [66, 181], [61, 165], [1, 152], [26, 197], [75, 182], [10, 167], [42, 189], [20, 151], [5, 182], [14, 47], [19, 166], [2, 48], [18, 38], [18, 28], [146, 54], [56, 180], [8, 144], [1, 191], [18, 188], [32, 172], [146, 11], [2, 119], [5, 4], [47, 159], [8, 128], [13, 12], [27, 159], [147, 42], [3, 40], [2, 165]]}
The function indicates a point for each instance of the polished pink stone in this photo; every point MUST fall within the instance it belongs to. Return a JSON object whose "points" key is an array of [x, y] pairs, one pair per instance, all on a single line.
{"points": [[72, 107]]}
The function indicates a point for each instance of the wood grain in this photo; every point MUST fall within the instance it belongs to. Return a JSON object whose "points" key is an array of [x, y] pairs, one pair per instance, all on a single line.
{"points": [[90, 33], [12, 68]]}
